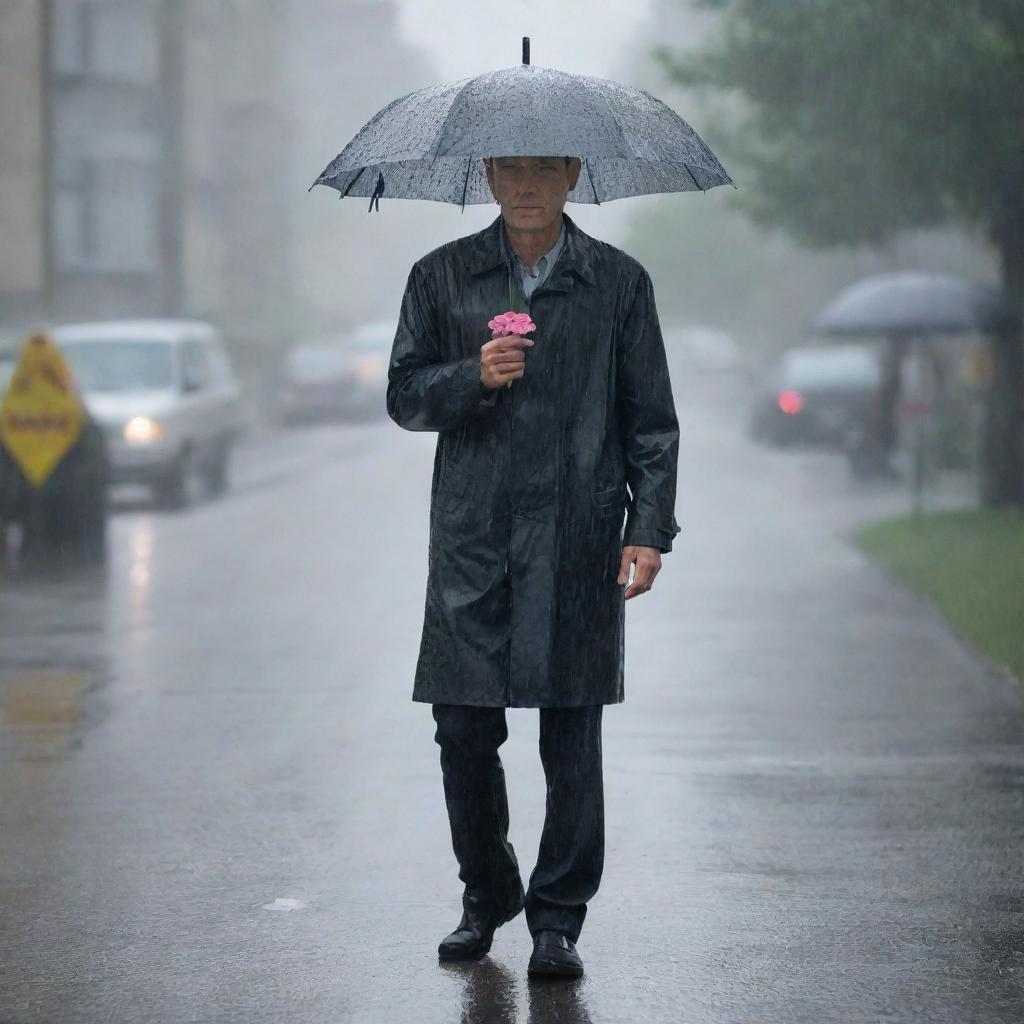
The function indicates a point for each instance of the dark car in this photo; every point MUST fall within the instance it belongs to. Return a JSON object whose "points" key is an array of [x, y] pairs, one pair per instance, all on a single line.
{"points": [[342, 377], [815, 395]]}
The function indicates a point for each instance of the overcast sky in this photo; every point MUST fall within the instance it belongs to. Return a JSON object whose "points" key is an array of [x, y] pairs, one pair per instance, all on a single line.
{"points": [[468, 37]]}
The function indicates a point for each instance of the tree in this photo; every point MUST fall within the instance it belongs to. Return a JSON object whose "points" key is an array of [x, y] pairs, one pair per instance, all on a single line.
{"points": [[867, 117]]}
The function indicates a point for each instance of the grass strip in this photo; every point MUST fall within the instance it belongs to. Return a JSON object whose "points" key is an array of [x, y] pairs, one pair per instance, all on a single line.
{"points": [[971, 564]]}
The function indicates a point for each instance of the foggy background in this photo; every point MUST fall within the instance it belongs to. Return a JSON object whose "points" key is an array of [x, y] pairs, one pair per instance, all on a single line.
{"points": [[217, 800], [156, 161]]}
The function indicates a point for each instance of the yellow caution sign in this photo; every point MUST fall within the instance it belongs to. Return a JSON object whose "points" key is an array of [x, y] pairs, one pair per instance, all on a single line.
{"points": [[41, 416]]}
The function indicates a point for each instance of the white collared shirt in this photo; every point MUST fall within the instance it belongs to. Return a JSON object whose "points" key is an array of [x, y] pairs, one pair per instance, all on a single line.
{"points": [[531, 278]]}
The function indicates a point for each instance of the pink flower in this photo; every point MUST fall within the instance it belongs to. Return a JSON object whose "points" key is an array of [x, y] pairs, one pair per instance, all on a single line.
{"points": [[511, 322]]}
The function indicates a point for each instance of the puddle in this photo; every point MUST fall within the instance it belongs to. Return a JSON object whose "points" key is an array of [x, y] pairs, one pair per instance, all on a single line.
{"points": [[43, 711]]}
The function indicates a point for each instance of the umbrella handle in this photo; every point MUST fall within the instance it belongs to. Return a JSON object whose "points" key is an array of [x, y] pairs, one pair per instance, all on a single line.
{"points": [[526, 49]]}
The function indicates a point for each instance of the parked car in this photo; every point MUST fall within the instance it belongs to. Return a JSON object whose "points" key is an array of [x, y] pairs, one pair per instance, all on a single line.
{"points": [[165, 397], [314, 382], [815, 394], [338, 377]]}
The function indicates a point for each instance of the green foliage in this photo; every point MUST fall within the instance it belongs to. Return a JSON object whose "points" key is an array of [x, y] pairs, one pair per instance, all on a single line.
{"points": [[712, 266], [869, 116], [971, 564]]}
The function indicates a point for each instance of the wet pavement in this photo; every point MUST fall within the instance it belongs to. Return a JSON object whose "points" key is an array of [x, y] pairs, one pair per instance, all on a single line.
{"points": [[218, 803]]}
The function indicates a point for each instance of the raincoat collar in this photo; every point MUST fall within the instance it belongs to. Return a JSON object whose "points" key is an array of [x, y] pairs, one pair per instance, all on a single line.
{"points": [[486, 251]]}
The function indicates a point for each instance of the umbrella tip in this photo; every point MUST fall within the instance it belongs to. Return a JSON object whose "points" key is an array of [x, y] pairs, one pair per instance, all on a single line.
{"points": [[526, 49]]}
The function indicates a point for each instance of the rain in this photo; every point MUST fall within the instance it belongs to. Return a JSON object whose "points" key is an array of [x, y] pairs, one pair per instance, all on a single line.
{"points": [[264, 499]]}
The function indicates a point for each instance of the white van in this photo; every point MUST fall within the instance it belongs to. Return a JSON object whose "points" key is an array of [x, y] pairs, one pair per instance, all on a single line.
{"points": [[165, 396]]}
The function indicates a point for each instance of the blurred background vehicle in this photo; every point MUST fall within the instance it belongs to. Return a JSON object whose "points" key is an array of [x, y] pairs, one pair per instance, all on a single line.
{"points": [[702, 349], [313, 381], [815, 394], [338, 377], [165, 397]]}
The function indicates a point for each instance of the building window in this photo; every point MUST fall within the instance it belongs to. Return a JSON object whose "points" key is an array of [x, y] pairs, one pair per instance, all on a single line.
{"points": [[106, 216], [113, 40]]}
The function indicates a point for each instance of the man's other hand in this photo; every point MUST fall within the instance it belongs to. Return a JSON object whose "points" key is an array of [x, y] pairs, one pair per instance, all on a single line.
{"points": [[648, 564], [503, 360]]}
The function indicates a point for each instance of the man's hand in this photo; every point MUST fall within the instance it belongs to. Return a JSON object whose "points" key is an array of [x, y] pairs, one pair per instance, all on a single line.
{"points": [[502, 360], [648, 563]]}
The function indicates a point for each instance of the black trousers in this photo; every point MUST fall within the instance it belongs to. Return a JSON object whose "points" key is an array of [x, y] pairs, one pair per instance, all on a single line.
{"points": [[571, 855]]}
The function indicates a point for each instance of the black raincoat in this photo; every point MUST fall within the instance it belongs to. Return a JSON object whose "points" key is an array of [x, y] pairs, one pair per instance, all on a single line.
{"points": [[529, 488]]}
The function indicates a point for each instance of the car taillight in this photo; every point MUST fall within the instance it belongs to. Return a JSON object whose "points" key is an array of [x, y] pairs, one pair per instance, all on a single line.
{"points": [[791, 402], [370, 369]]}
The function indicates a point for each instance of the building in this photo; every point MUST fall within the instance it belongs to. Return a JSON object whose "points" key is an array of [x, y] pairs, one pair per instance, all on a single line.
{"points": [[25, 255], [100, 149], [124, 125]]}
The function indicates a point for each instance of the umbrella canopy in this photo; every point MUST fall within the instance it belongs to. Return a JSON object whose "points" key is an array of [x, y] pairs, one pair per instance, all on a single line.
{"points": [[431, 143], [912, 303]]}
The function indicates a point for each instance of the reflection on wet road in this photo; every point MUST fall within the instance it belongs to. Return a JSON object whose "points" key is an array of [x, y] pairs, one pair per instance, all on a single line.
{"points": [[218, 803]]}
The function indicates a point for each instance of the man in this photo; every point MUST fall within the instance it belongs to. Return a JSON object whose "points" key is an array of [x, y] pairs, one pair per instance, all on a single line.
{"points": [[528, 562]]}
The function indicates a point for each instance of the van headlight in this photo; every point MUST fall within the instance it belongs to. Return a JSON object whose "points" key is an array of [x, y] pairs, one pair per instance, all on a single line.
{"points": [[142, 430]]}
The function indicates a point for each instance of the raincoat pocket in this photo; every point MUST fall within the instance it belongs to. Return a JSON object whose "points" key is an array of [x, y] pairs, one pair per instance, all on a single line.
{"points": [[610, 501]]}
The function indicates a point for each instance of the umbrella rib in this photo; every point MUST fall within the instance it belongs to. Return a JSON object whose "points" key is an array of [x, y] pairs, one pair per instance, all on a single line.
{"points": [[351, 183], [692, 178], [431, 154], [465, 184], [592, 185]]}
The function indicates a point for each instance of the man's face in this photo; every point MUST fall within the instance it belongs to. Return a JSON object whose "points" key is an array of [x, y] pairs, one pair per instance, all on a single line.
{"points": [[531, 190]]}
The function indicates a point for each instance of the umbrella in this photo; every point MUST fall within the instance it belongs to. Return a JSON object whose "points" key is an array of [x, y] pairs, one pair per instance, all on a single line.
{"points": [[912, 303], [430, 144], [907, 308]]}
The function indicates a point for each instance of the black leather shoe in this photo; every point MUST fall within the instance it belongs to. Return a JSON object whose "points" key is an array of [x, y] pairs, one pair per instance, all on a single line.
{"points": [[472, 939], [554, 955]]}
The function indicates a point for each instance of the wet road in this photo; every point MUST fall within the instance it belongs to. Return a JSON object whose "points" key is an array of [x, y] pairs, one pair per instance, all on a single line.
{"points": [[218, 803]]}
